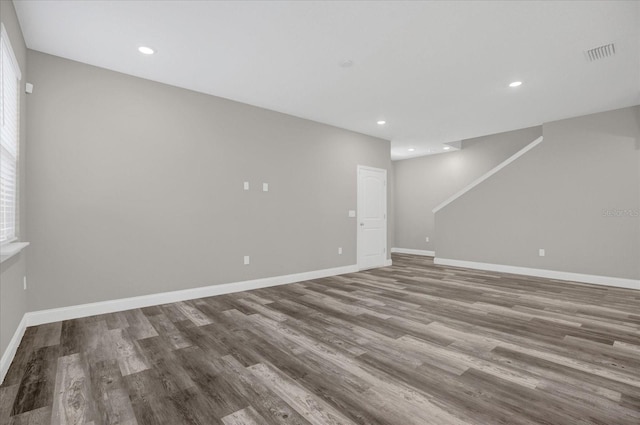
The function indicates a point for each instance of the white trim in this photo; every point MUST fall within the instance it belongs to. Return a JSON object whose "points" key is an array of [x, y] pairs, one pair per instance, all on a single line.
{"points": [[36, 318], [549, 274], [9, 250], [40, 317], [73, 312], [4, 36], [12, 348], [388, 262], [489, 174], [370, 168], [7, 242], [422, 252]]}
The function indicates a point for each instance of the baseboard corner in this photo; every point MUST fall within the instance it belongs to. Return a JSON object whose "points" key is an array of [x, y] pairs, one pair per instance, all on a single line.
{"points": [[10, 352]]}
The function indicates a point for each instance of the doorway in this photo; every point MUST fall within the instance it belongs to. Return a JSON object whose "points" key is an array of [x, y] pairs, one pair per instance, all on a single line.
{"points": [[372, 217]]}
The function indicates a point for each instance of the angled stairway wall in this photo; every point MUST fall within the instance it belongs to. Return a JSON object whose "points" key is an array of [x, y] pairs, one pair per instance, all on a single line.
{"points": [[576, 195], [424, 182]]}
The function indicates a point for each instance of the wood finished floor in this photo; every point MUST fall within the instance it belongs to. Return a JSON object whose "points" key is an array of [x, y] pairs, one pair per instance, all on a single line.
{"points": [[409, 344]]}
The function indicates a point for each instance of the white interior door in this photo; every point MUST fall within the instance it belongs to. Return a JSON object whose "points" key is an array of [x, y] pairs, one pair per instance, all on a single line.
{"points": [[372, 217]]}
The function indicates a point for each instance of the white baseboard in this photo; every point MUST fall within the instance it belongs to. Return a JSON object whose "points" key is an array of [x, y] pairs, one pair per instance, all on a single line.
{"points": [[414, 252], [73, 312], [12, 348], [549, 274], [40, 317]]}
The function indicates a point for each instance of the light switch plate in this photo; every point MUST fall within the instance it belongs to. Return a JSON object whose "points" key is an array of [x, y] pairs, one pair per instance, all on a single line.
{"points": [[541, 252], [246, 185], [246, 260], [340, 251], [265, 187], [352, 213]]}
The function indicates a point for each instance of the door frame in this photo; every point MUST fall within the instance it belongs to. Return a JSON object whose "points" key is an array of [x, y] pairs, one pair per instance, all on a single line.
{"points": [[358, 207]]}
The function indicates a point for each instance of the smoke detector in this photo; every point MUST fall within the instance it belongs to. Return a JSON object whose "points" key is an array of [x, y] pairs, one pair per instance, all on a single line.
{"points": [[600, 52]]}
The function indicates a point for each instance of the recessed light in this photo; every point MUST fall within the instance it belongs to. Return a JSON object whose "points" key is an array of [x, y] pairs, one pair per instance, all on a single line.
{"points": [[382, 122], [411, 149], [515, 84], [146, 50], [347, 63], [446, 148]]}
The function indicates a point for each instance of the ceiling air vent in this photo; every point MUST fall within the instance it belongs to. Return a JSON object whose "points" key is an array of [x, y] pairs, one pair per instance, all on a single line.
{"points": [[600, 52]]}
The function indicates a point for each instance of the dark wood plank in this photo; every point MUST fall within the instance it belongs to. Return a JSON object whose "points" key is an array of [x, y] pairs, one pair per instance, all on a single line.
{"points": [[37, 386], [414, 343]]}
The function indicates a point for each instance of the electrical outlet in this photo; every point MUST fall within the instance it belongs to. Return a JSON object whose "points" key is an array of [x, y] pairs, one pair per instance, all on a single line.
{"points": [[340, 251], [265, 187], [541, 252], [246, 260], [246, 185], [352, 213], [427, 238], [24, 281]]}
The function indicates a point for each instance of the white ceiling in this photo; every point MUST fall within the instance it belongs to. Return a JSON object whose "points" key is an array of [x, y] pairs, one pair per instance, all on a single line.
{"points": [[437, 72]]}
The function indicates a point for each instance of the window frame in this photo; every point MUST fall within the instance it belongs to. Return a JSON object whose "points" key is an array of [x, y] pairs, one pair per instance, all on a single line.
{"points": [[5, 43]]}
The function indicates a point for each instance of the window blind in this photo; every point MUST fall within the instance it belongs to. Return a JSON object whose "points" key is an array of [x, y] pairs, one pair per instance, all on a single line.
{"points": [[9, 139]]}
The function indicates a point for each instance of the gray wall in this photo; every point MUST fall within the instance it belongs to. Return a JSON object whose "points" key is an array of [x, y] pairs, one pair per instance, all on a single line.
{"points": [[136, 187], [13, 299], [423, 183], [554, 197]]}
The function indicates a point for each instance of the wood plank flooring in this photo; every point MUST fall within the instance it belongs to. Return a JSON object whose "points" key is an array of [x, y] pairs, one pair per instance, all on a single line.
{"points": [[409, 344]]}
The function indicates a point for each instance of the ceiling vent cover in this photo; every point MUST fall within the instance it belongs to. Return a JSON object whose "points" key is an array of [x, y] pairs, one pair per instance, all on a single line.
{"points": [[600, 52]]}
